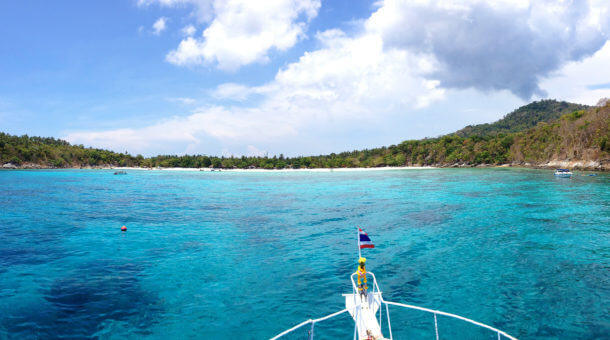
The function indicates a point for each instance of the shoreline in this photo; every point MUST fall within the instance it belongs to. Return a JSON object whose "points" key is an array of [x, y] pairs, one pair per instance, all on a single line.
{"points": [[580, 166], [110, 168], [285, 170]]}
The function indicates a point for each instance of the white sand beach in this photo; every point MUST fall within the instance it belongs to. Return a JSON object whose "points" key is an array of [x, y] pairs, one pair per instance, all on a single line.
{"points": [[278, 170]]}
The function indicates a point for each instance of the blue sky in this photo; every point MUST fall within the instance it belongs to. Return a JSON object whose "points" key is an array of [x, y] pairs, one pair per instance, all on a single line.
{"points": [[296, 77]]}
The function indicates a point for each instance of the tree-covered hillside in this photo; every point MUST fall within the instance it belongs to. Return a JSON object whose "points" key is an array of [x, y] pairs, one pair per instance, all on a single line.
{"points": [[51, 152], [523, 118], [582, 135]]}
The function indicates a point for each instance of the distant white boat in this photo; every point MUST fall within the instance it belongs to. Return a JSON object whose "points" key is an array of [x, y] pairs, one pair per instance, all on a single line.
{"points": [[563, 173]]}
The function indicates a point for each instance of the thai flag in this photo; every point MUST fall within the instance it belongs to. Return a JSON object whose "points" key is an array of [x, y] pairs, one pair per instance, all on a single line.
{"points": [[364, 241]]}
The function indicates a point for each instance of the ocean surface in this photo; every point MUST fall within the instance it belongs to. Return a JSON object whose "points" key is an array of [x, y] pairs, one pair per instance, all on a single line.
{"points": [[220, 255]]}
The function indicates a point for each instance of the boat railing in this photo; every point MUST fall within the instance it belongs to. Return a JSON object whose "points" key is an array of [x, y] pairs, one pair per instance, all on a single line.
{"points": [[307, 322], [378, 298], [438, 312]]}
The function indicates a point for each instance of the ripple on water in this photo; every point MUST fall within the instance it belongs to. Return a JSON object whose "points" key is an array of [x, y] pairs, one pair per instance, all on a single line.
{"points": [[210, 253]]}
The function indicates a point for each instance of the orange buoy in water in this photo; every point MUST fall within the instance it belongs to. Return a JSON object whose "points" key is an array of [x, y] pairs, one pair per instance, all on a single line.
{"points": [[123, 228]]}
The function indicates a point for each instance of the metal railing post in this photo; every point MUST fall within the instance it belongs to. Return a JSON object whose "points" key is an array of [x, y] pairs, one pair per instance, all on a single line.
{"points": [[387, 311], [355, 322], [307, 322], [311, 331], [435, 326], [380, 311]]}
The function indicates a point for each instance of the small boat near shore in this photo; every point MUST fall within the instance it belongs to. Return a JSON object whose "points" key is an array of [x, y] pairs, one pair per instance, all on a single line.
{"points": [[120, 172], [563, 173]]}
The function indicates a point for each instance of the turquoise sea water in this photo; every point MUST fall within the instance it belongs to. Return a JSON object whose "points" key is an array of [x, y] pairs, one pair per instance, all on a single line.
{"points": [[246, 255]]}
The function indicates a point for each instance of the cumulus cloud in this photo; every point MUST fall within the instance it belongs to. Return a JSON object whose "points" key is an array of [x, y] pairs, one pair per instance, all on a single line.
{"points": [[182, 100], [495, 45], [486, 45], [254, 151], [244, 32], [405, 57], [236, 92], [582, 82], [183, 131], [160, 25], [347, 80], [189, 30]]}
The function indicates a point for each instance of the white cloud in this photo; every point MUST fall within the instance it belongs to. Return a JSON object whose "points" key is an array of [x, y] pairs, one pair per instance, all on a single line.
{"points": [[355, 71], [236, 92], [216, 122], [256, 152], [383, 84], [576, 81], [189, 30], [159, 26], [183, 100], [244, 32], [348, 80], [188, 52], [495, 45]]}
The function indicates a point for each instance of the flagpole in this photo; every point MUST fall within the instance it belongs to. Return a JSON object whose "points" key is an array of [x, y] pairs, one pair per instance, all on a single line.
{"points": [[358, 235]]}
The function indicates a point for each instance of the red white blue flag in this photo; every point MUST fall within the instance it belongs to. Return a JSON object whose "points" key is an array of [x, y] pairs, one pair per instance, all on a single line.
{"points": [[364, 240]]}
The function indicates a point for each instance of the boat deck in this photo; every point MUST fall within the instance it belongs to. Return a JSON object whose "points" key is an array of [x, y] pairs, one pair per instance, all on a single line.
{"points": [[365, 317]]}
